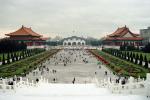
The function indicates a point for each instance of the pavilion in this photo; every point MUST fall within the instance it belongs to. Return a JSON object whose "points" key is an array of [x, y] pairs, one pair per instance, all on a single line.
{"points": [[123, 36], [28, 36]]}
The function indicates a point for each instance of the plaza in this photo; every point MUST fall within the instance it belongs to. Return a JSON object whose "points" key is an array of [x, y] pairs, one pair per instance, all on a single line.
{"points": [[81, 65]]}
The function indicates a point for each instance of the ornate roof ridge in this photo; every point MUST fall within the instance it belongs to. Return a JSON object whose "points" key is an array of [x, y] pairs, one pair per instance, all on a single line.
{"points": [[24, 31]]}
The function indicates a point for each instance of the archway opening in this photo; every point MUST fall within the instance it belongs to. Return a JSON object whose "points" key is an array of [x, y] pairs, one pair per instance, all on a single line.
{"points": [[65, 43], [79, 43], [83, 44], [74, 43], [69, 43]]}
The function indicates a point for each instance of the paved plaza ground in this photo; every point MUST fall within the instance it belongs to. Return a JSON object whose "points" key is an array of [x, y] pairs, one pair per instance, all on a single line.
{"points": [[81, 65]]}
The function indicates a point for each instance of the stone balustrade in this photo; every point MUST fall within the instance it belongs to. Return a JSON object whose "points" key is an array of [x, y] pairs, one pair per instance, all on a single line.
{"points": [[140, 87], [5, 86]]}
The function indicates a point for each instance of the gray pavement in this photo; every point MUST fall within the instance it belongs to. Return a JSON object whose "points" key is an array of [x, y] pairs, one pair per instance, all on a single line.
{"points": [[71, 65]]}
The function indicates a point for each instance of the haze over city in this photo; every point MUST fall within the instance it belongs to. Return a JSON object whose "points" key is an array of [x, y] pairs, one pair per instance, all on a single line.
{"points": [[95, 18]]}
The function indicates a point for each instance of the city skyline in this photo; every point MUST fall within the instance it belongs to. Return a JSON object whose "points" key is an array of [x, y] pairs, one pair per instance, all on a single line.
{"points": [[95, 18]]}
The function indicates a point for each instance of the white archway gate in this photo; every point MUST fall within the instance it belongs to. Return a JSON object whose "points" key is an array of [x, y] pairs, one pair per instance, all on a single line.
{"points": [[74, 41]]}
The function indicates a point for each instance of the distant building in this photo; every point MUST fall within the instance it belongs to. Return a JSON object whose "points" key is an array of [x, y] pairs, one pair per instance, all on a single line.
{"points": [[28, 36], [122, 36], [145, 33], [74, 41]]}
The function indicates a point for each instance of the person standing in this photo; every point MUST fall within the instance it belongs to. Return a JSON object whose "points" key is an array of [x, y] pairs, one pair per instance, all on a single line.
{"points": [[73, 80]]}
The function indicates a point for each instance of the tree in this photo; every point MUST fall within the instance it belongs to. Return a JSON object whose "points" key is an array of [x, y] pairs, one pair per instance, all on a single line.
{"points": [[15, 56], [3, 61], [122, 47], [137, 58], [146, 49], [125, 55], [141, 59], [20, 56], [8, 58], [7, 45], [127, 47], [22, 53], [128, 57], [146, 62], [131, 57], [11, 57]]}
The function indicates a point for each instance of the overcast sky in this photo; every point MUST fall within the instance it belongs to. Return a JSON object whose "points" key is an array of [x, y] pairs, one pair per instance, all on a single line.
{"points": [[95, 18]]}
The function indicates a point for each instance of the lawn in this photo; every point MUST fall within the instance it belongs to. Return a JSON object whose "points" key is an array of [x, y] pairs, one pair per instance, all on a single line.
{"points": [[122, 67], [24, 66]]}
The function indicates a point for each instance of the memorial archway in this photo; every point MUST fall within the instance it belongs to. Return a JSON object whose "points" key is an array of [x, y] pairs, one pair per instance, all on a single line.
{"points": [[74, 41]]}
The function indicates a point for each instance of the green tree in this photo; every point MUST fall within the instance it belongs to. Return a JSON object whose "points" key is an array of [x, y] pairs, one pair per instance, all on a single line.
{"points": [[0, 59], [128, 57], [137, 58], [146, 62], [22, 54], [141, 59], [131, 57], [3, 61], [15, 56], [8, 58], [125, 55], [11, 57]]}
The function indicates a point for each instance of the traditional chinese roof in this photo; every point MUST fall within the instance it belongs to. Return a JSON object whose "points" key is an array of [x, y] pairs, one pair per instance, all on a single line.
{"points": [[127, 39], [121, 32], [24, 31]]}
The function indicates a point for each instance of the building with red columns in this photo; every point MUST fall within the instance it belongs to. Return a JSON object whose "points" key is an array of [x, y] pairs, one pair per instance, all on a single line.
{"points": [[123, 36], [28, 36]]}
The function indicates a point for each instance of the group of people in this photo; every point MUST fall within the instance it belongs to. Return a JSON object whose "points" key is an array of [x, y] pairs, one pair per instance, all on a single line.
{"points": [[65, 58]]}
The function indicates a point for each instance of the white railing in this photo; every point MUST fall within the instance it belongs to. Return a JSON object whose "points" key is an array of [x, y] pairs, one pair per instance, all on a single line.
{"points": [[4, 86], [133, 86]]}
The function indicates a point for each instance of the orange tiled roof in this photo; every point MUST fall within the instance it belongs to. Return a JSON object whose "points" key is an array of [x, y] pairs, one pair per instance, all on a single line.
{"points": [[24, 31], [125, 38], [120, 32]]}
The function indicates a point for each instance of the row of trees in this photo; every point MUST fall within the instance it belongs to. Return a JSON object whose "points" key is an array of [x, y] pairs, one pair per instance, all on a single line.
{"points": [[54, 43], [135, 58], [146, 49], [9, 57], [127, 47], [94, 42], [7, 45]]}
